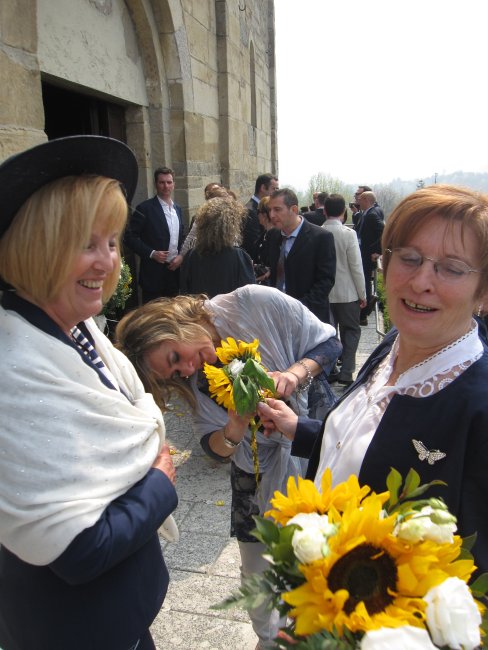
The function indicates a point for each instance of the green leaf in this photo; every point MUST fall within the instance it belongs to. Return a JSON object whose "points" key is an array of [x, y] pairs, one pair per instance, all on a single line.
{"points": [[246, 397], [282, 550], [423, 488], [469, 542], [393, 483], [266, 531], [464, 554], [255, 590], [411, 483], [480, 586], [484, 628], [256, 371]]}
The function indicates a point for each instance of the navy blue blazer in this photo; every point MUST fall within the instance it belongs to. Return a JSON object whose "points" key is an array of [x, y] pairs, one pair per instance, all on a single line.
{"points": [[454, 420], [106, 588], [148, 231], [369, 230], [310, 267]]}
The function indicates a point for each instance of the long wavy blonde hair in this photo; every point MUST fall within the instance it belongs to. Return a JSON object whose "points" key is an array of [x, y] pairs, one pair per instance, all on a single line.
{"points": [[181, 319]]}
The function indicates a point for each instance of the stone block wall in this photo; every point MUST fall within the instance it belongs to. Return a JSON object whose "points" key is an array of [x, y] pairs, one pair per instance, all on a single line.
{"points": [[195, 78]]}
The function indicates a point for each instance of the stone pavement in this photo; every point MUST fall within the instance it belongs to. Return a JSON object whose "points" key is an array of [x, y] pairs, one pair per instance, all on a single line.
{"points": [[204, 564]]}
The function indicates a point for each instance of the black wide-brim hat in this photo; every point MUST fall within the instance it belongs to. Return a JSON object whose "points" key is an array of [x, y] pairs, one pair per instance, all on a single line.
{"points": [[24, 173]]}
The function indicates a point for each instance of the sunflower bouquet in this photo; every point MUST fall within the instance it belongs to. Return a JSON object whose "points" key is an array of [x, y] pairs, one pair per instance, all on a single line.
{"points": [[352, 569], [240, 383]]}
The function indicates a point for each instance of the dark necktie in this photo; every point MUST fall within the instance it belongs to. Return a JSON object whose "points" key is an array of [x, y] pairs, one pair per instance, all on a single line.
{"points": [[280, 267]]}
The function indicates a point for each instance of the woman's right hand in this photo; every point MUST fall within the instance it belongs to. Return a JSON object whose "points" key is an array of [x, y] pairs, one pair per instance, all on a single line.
{"points": [[164, 463], [275, 415]]}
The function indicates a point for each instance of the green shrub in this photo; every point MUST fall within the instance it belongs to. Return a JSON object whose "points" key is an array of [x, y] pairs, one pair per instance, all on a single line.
{"points": [[380, 290], [122, 293]]}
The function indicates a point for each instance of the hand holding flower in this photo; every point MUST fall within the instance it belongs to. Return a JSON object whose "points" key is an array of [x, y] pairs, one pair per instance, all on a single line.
{"points": [[240, 385], [286, 382], [275, 415], [236, 426]]}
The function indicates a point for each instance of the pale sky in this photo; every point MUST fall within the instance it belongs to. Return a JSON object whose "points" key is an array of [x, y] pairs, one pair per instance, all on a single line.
{"points": [[372, 90]]}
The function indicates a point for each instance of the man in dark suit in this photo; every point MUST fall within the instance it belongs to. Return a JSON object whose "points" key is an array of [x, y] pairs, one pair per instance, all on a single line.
{"points": [[155, 232], [369, 230], [356, 211], [317, 215], [265, 184], [301, 255]]}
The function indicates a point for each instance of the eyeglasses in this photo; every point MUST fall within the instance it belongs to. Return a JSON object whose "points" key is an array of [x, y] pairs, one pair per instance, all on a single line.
{"points": [[447, 269]]}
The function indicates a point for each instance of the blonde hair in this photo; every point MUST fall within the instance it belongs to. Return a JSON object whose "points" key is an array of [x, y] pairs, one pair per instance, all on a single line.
{"points": [[52, 227], [181, 319], [219, 223], [449, 202]]}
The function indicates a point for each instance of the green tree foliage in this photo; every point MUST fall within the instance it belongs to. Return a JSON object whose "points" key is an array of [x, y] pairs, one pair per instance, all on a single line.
{"points": [[322, 182], [387, 197]]}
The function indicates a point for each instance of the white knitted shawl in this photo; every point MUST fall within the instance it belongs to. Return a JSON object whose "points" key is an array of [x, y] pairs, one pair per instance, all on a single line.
{"points": [[69, 445]]}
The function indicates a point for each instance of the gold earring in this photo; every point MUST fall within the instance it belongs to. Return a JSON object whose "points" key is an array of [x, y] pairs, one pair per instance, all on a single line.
{"points": [[480, 309]]}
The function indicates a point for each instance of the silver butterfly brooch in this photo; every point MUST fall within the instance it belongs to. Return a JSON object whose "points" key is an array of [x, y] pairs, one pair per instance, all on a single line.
{"points": [[430, 455]]}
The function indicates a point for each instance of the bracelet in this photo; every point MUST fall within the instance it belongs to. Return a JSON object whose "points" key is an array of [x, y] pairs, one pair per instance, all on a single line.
{"points": [[305, 385], [229, 443]]}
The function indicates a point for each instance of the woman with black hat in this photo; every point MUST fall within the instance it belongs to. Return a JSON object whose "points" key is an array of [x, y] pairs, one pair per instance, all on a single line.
{"points": [[86, 479]]}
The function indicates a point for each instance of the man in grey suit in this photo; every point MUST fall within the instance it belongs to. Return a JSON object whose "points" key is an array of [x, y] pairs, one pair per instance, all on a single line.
{"points": [[155, 232], [348, 295]]}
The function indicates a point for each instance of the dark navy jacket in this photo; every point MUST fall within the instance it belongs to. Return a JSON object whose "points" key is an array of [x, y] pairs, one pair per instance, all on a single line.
{"points": [[148, 231], [107, 587], [454, 420]]}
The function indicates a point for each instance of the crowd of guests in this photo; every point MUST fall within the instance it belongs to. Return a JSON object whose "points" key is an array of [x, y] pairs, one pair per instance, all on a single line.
{"points": [[86, 477], [306, 253]]}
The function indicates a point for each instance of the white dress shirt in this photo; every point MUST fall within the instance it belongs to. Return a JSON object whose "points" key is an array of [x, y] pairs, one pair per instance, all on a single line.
{"points": [[173, 226]]}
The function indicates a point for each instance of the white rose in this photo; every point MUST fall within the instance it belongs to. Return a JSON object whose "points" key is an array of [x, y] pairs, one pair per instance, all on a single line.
{"points": [[400, 638], [235, 367], [433, 524], [453, 618], [313, 519], [309, 544]]}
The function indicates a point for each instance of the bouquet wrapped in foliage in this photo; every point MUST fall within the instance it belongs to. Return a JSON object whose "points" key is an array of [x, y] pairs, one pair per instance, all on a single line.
{"points": [[240, 383], [353, 569], [121, 294]]}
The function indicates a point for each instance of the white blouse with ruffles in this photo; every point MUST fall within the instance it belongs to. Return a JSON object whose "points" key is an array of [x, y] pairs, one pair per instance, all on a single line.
{"points": [[351, 426]]}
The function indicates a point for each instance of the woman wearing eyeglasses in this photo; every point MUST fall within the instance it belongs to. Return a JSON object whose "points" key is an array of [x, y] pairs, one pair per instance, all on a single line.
{"points": [[420, 400]]}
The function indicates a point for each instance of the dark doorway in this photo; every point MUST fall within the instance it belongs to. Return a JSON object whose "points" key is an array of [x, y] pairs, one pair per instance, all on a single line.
{"points": [[70, 113]]}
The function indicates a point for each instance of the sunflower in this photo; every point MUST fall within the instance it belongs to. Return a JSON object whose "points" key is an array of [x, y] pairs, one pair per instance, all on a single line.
{"points": [[304, 497], [240, 384], [370, 578], [221, 380], [232, 349], [220, 386]]}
